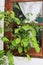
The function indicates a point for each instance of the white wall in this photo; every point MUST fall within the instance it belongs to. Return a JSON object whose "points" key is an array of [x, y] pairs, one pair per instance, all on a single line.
{"points": [[19, 60], [2, 22], [25, 61]]}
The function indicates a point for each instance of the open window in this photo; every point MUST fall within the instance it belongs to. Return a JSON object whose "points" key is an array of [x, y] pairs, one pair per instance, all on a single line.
{"points": [[21, 9]]}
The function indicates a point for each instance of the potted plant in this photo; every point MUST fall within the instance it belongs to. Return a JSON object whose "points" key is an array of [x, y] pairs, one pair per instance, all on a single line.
{"points": [[24, 34]]}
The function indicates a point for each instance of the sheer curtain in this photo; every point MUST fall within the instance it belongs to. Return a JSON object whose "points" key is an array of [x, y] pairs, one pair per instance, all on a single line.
{"points": [[31, 7]]}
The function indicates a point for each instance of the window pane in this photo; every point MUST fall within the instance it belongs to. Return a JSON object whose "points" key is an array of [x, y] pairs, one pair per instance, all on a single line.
{"points": [[39, 37], [31, 10]]}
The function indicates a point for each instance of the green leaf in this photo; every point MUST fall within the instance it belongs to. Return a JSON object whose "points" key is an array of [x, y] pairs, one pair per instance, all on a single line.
{"points": [[35, 44], [5, 39], [10, 58], [20, 49], [26, 49], [28, 57], [12, 14], [25, 42], [33, 32], [16, 6], [25, 27], [33, 38], [1, 53], [16, 30], [0, 29], [1, 15], [16, 41], [17, 20], [29, 46], [12, 47]]}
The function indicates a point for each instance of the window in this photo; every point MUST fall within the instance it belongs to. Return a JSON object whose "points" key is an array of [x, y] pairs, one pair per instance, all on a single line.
{"points": [[21, 9]]}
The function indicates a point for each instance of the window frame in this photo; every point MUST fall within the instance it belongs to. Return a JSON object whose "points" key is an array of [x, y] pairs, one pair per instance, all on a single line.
{"points": [[8, 6]]}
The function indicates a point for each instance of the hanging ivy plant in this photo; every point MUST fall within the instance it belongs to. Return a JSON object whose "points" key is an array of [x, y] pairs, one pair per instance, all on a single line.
{"points": [[24, 35]]}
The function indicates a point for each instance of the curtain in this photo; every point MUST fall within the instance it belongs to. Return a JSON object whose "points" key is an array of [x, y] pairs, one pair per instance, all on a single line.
{"points": [[31, 7]]}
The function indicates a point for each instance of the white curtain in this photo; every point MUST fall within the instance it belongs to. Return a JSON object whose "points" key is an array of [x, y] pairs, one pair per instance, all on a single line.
{"points": [[31, 7]]}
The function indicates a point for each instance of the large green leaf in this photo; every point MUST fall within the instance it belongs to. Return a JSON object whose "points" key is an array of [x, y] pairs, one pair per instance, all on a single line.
{"points": [[25, 27], [16, 30], [16, 41], [12, 47], [12, 14], [26, 41], [17, 20], [33, 31], [5, 39], [20, 49], [35, 44]]}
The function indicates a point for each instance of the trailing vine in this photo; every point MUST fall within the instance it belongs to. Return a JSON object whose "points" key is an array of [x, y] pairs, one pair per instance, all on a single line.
{"points": [[24, 35]]}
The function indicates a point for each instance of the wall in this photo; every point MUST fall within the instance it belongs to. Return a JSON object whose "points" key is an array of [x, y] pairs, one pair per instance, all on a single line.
{"points": [[1, 22], [19, 60]]}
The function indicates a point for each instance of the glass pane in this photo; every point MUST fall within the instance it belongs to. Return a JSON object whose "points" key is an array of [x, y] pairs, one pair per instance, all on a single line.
{"points": [[39, 37], [33, 10]]}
